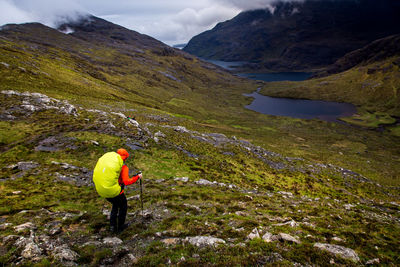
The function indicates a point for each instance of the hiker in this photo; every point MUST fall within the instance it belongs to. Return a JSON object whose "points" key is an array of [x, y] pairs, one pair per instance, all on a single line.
{"points": [[110, 177]]}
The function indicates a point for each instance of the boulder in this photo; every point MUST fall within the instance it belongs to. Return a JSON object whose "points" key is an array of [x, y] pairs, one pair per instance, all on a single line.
{"points": [[182, 179], [24, 165], [254, 234], [288, 238], [373, 262], [204, 241], [340, 251], [64, 253], [10, 239], [112, 241], [31, 251], [24, 227], [268, 237], [203, 182]]}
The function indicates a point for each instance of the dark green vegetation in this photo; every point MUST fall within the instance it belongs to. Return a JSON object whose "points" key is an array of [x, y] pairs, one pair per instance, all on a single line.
{"points": [[299, 35], [281, 175]]}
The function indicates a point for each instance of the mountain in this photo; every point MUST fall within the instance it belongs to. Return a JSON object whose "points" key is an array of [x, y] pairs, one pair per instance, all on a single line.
{"points": [[302, 35], [99, 59], [376, 51], [222, 185]]}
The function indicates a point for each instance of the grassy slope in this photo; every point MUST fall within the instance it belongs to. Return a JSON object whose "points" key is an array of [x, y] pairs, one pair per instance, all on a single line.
{"points": [[207, 102]]}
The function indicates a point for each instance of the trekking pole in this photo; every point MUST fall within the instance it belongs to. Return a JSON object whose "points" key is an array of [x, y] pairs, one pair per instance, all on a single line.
{"points": [[141, 195]]}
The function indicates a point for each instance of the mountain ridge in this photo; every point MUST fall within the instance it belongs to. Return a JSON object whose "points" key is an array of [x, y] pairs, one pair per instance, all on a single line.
{"points": [[298, 36]]}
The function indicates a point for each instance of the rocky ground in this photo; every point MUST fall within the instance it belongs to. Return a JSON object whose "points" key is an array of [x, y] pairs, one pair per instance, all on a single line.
{"points": [[209, 199]]}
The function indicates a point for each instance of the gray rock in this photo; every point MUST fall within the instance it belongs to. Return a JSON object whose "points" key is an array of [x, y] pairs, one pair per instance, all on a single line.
{"points": [[343, 252], [24, 165], [203, 182], [348, 206], [31, 251], [119, 114], [288, 238], [197, 209], [159, 134], [64, 253], [285, 194], [254, 234], [133, 123], [337, 239], [24, 227], [373, 262], [203, 241], [291, 223], [5, 226], [180, 129], [182, 179], [10, 239], [136, 197], [5, 64], [268, 237], [171, 241], [93, 243], [30, 108], [112, 241]]}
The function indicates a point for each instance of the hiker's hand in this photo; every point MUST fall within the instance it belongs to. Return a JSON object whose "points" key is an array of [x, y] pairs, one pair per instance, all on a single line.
{"points": [[140, 175]]}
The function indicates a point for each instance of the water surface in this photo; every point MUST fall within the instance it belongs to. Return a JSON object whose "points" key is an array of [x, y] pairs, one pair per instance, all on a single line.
{"points": [[300, 108], [276, 77]]}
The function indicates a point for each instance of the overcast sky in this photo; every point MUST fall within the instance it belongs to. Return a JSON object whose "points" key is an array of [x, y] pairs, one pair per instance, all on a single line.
{"points": [[170, 21]]}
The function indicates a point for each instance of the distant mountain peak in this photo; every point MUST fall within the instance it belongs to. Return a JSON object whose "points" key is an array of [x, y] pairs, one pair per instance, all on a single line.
{"points": [[298, 35]]}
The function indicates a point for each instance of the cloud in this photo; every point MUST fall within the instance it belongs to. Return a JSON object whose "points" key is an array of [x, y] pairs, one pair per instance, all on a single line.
{"points": [[47, 12], [172, 21], [254, 4]]}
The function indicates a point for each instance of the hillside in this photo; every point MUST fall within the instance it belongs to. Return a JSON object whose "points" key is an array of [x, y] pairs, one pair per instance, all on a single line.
{"points": [[222, 185], [298, 36], [368, 77]]}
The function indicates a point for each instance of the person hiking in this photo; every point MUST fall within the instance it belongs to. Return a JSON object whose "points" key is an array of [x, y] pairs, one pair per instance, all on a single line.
{"points": [[110, 177]]}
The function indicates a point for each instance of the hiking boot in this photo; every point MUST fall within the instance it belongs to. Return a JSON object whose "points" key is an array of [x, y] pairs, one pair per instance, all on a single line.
{"points": [[113, 229], [123, 227]]}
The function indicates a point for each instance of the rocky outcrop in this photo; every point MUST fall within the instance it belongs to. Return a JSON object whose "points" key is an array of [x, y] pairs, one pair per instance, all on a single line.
{"points": [[36, 102], [202, 241], [340, 251]]}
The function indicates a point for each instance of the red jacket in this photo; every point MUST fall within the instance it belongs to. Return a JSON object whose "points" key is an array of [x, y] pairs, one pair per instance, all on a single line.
{"points": [[124, 177]]}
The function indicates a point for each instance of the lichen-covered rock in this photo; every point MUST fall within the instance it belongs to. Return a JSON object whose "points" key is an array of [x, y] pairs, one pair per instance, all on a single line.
{"points": [[203, 241], [288, 238], [31, 251], [203, 182], [343, 252], [112, 241], [254, 234], [182, 179], [64, 253], [24, 227], [268, 237]]}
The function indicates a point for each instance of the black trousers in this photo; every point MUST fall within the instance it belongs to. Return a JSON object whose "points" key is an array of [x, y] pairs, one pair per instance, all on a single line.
{"points": [[119, 209]]}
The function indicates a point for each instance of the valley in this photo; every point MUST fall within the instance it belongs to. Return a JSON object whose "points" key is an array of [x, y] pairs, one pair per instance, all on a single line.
{"points": [[223, 185]]}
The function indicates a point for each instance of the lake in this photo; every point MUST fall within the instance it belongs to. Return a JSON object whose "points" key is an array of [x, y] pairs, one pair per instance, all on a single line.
{"points": [[300, 108], [295, 108], [276, 77]]}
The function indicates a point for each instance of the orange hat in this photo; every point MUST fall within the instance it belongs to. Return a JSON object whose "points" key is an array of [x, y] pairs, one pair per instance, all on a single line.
{"points": [[123, 153]]}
